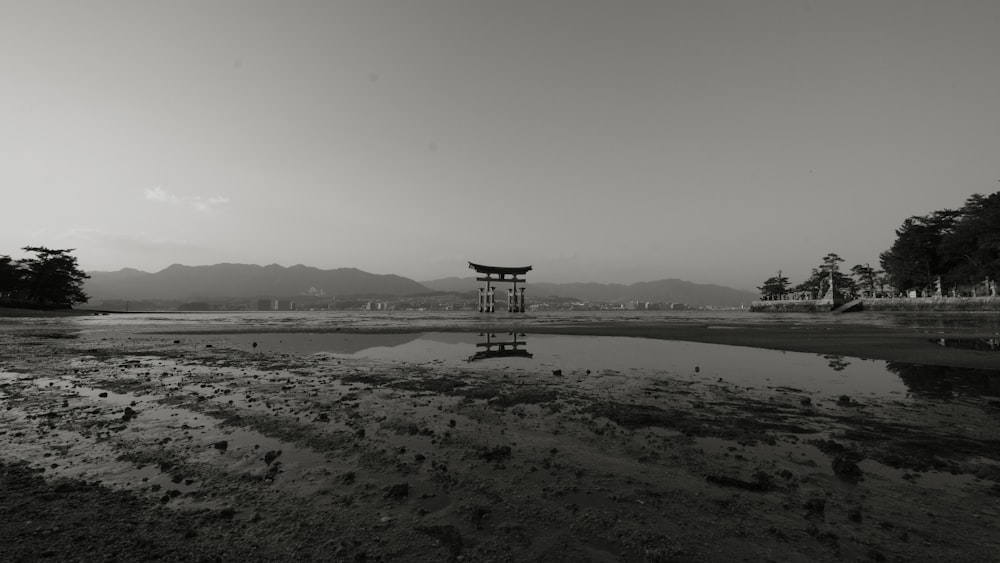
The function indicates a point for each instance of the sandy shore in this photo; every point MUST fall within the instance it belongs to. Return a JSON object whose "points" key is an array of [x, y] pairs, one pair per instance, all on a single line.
{"points": [[181, 447]]}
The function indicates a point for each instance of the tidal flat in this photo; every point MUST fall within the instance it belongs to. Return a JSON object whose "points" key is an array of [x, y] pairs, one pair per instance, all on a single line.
{"points": [[278, 441]]}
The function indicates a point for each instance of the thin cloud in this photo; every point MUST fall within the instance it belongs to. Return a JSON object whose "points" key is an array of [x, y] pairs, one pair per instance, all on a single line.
{"points": [[198, 203]]}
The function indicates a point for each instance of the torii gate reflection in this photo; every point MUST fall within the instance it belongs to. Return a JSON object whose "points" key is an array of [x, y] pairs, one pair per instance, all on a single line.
{"points": [[505, 349], [487, 301]]}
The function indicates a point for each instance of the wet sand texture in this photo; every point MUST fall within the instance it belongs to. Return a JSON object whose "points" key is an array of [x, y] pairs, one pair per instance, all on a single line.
{"points": [[161, 447]]}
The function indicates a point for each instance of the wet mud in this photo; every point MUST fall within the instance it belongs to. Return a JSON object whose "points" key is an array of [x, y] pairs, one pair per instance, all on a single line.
{"points": [[179, 448]]}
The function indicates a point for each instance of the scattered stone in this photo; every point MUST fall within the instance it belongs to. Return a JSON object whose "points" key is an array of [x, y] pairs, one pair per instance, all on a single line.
{"points": [[557, 372], [762, 482], [854, 515], [452, 423], [323, 417], [398, 491], [847, 469], [844, 401], [495, 455], [222, 445], [348, 478], [102, 394], [815, 507], [129, 414], [254, 344], [449, 536], [805, 401], [271, 455]]}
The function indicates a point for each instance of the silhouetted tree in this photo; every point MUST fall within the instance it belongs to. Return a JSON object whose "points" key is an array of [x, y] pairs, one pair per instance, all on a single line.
{"points": [[972, 248], [916, 258], [819, 282], [52, 278], [866, 278], [11, 278], [774, 287]]}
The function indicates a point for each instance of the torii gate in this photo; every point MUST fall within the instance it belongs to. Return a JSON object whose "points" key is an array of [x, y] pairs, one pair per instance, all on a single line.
{"points": [[515, 301]]}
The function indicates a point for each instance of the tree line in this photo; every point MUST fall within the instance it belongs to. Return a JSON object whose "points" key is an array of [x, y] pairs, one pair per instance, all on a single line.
{"points": [[950, 248], [50, 279]]}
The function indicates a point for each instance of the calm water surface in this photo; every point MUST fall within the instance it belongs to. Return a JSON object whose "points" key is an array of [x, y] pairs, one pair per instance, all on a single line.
{"points": [[575, 354]]}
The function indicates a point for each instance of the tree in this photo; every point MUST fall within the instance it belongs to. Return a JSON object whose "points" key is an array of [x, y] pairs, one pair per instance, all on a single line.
{"points": [[972, 248], [11, 278], [52, 278], [774, 287], [866, 278], [916, 258], [819, 282]]}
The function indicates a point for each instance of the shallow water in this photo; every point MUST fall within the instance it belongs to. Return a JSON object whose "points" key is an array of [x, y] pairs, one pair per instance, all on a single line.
{"points": [[428, 320], [575, 355]]}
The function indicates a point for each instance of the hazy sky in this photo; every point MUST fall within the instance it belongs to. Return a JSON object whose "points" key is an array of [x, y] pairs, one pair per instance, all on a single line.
{"points": [[613, 141]]}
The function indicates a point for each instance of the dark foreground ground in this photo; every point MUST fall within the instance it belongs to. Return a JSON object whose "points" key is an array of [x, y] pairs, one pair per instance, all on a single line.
{"points": [[199, 447]]}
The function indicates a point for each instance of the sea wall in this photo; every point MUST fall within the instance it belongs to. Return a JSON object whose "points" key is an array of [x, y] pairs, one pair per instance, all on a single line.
{"points": [[932, 304], [793, 306]]}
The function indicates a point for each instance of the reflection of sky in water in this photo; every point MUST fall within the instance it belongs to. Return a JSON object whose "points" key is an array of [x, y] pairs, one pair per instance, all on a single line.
{"points": [[574, 355], [327, 320]]}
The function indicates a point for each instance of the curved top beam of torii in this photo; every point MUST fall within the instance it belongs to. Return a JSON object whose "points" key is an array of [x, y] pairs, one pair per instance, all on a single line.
{"points": [[499, 269]]}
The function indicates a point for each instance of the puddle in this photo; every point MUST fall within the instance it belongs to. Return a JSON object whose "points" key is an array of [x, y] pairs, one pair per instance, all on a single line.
{"points": [[584, 355]]}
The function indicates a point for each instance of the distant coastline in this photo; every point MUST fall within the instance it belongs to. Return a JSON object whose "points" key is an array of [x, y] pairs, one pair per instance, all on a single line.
{"points": [[924, 304]]}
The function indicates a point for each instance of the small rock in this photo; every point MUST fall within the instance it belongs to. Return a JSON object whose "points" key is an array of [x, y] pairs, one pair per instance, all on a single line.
{"points": [[557, 372], [271, 456], [846, 469], [452, 423], [805, 401], [398, 491], [102, 394], [844, 400], [815, 506], [222, 446]]}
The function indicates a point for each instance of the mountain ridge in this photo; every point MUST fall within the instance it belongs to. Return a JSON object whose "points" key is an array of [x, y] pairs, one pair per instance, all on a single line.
{"points": [[229, 280], [671, 290]]}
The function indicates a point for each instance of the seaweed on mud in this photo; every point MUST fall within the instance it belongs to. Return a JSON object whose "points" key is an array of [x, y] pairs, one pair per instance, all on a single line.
{"points": [[448, 535], [286, 430], [373, 379], [443, 385], [638, 416], [526, 397]]}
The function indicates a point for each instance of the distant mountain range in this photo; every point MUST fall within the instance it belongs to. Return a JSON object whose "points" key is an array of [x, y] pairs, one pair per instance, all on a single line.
{"points": [[247, 281], [227, 281], [666, 291]]}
